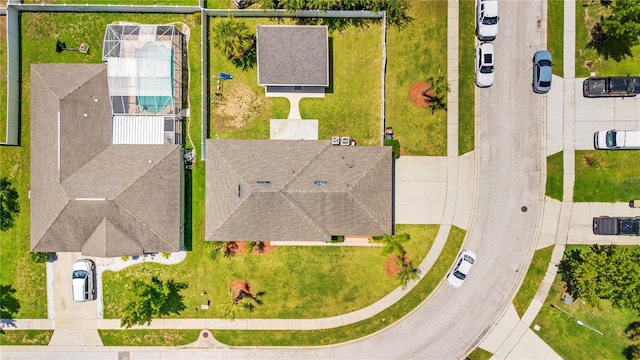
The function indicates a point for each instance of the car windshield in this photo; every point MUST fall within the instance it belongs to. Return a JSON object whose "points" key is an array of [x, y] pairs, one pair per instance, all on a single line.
{"points": [[486, 69], [611, 139], [490, 20], [468, 259], [459, 275], [79, 274], [544, 63], [545, 83]]}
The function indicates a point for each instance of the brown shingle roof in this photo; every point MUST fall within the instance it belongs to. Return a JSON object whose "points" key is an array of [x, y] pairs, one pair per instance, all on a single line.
{"points": [[87, 194], [354, 198], [293, 55]]}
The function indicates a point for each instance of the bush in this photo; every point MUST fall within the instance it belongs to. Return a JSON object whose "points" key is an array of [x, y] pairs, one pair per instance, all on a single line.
{"points": [[396, 147], [40, 257]]}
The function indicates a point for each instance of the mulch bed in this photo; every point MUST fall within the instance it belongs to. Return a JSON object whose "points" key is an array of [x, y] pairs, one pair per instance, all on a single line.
{"points": [[240, 248], [391, 266], [240, 285], [416, 96]]}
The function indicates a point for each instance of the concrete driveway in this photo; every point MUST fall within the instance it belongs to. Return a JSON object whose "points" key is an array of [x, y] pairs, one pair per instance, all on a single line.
{"points": [[75, 322]]}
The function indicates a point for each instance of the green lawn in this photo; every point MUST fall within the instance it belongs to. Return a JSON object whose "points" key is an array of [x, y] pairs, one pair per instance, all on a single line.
{"points": [[299, 282], [555, 176], [120, 2], [413, 54], [606, 176], [3, 76], [573, 341], [613, 59], [466, 85], [555, 34], [531, 283], [479, 354], [26, 337], [168, 337], [350, 332]]}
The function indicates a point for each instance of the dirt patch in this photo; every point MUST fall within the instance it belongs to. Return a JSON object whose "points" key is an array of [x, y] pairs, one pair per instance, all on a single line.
{"points": [[239, 106], [421, 94], [391, 265]]}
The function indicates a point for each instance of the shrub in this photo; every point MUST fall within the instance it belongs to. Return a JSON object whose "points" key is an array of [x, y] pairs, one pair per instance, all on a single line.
{"points": [[396, 147]]}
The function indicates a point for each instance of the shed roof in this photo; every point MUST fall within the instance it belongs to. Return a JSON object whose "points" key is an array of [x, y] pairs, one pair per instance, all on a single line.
{"points": [[293, 190], [293, 55], [87, 194]]}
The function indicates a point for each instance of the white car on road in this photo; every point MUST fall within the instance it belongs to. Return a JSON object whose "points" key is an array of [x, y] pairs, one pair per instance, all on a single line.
{"points": [[461, 268], [484, 58], [487, 19]]}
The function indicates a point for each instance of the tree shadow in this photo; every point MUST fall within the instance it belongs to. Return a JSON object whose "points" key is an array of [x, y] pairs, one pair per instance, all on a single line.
{"points": [[10, 205], [631, 352], [9, 305], [175, 301], [248, 60], [609, 47]]}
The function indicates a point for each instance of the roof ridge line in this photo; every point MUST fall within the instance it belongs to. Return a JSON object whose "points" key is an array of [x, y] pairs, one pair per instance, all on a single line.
{"points": [[141, 222], [285, 186]]}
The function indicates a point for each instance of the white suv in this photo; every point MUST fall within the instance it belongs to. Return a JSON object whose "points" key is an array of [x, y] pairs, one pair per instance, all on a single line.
{"points": [[484, 59], [487, 19], [82, 280]]}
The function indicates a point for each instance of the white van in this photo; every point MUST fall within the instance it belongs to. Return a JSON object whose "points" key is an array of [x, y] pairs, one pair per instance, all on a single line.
{"points": [[82, 280], [617, 139]]}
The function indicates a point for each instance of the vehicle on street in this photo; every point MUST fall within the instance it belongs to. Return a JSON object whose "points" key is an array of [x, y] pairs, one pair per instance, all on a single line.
{"points": [[461, 268], [487, 19], [617, 139], [615, 86], [83, 280], [484, 64], [605, 225], [542, 64]]}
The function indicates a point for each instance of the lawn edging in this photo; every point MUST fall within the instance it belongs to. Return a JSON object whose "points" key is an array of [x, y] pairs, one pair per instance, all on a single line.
{"points": [[533, 279]]}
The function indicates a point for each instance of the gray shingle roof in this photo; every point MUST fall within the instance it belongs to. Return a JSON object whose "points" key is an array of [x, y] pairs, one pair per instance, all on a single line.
{"points": [[355, 198], [89, 195], [293, 55]]}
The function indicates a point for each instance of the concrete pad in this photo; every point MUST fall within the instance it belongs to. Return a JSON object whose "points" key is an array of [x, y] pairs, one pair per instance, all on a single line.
{"points": [[626, 124], [75, 337], [64, 306], [592, 109], [420, 189], [294, 94], [549, 227], [555, 120], [496, 338], [531, 347], [583, 134], [293, 129], [627, 108], [465, 192]]}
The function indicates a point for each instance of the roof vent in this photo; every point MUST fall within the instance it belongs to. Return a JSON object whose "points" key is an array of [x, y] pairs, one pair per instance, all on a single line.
{"points": [[263, 182], [320, 183]]}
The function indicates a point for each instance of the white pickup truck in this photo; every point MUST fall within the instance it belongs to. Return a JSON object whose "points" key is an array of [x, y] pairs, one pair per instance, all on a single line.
{"points": [[617, 139]]}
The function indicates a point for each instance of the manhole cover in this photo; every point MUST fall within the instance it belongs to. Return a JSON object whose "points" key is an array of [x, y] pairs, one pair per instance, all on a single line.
{"points": [[524, 209], [205, 335]]}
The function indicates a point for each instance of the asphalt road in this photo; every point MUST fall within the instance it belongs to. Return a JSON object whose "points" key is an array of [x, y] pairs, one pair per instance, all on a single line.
{"points": [[453, 321]]}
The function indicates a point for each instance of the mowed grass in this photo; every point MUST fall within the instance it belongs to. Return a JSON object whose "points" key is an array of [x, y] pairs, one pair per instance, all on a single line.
{"points": [[606, 176], [121, 2], [614, 59], [479, 354], [3, 77], [40, 32], [299, 282], [555, 176], [413, 54], [26, 337], [167, 337], [533, 278], [354, 331], [573, 341], [466, 85], [555, 34]]}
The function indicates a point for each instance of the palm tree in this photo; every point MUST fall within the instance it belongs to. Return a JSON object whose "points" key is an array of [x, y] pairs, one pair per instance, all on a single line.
{"points": [[250, 301], [233, 38], [437, 91], [392, 243], [407, 272]]}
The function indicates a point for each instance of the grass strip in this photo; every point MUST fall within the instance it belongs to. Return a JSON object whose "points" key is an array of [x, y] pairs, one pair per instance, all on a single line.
{"points": [[466, 84], [25, 337], [532, 280], [479, 354], [555, 176], [555, 34], [354, 331], [167, 337]]}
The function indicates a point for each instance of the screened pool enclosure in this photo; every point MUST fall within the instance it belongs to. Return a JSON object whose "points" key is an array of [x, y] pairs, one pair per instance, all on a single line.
{"points": [[144, 68]]}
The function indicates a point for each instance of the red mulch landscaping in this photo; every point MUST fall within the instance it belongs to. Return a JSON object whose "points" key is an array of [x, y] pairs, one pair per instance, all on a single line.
{"points": [[415, 94], [391, 266], [240, 248], [237, 285]]}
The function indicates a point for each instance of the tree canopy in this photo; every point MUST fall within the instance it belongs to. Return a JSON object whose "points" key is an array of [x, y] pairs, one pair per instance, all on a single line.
{"points": [[235, 40], [150, 298], [624, 21], [9, 206], [607, 272]]}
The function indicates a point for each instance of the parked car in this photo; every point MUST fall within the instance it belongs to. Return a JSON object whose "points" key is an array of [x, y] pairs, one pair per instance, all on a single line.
{"points": [[484, 64], [83, 280], [605, 225], [461, 268], [542, 64], [487, 20], [617, 139]]}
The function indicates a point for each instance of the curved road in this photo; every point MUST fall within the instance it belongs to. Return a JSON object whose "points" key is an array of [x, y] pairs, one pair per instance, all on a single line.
{"points": [[452, 321]]}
